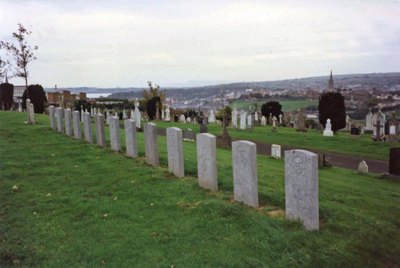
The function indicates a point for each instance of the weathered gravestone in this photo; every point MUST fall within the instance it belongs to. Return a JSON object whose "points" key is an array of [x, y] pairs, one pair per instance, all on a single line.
{"points": [[245, 182], [131, 138], [60, 121], [87, 127], [100, 132], [207, 161], [76, 125], [68, 122], [189, 134], [363, 167], [115, 138], [394, 161], [276, 151], [52, 111], [301, 187], [150, 144], [30, 112], [175, 151]]}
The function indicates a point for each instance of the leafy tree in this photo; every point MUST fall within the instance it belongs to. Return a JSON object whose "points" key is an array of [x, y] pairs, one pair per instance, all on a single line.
{"points": [[6, 95], [227, 112], [21, 52], [152, 97], [37, 96], [271, 107], [331, 105], [4, 68]]}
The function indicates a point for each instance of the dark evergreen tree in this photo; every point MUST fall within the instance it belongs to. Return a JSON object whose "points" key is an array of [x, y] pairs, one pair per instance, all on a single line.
{"points": [[151, 107], [37, 96], [331, 105], [271, 107], [6, 95]]}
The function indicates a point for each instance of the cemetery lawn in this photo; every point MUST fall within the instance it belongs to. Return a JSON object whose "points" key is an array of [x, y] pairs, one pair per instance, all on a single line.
{"points": [[67, 203], [287, 105], [342, 142]]}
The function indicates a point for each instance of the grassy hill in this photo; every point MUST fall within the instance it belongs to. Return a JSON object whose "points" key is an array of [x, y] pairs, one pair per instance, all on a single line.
{"points": [[68, 203]]}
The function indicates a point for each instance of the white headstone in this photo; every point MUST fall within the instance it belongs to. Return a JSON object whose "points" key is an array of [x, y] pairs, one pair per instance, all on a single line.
{"points": [[301, 187], [182, 118], [68, 122], [245, 182], [175, 151], [138, 116], [249, 121], [131, 138], [243, 118], [211, 117], [100, 132], [167, 114], [60, 120], [76, 125], [87, 127], [263, 121], [52, 111], [369, 121], [363, 167], [276, 151], [115, 137], [150, 144], [207, 161]]}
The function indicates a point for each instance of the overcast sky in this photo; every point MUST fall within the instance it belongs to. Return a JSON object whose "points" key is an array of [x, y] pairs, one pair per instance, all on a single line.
{"points": [[126, 43]]}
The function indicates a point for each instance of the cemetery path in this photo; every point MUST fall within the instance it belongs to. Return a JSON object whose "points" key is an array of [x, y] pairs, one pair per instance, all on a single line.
{"points": [[338, 160], [335, 159]]}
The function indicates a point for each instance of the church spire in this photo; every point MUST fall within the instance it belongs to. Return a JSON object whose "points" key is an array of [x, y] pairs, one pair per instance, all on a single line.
{"points": [[330, 84]]}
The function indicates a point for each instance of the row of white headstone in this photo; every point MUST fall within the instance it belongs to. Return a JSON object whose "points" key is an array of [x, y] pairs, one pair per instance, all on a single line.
{"points": [[301, 167], [301, 171]]}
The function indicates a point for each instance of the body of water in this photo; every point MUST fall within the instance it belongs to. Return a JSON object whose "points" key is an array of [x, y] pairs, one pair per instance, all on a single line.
{"points": [[97, 95]]}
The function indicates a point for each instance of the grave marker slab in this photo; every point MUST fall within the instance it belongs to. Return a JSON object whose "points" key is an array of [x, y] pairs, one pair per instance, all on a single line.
{"points": [[131, 138], [100, 132], [150, 144], [301, 187], [175, 151], [115, 137], [60, 121], [52, 111], [245, 182], [207, 161], [68, 122], [87, 127], [363, 167], [276, 151], [76, 125]]}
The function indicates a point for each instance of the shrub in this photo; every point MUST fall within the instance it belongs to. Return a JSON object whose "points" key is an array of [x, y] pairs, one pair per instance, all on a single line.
{"points": [[331, 105], [6, 95], [37, 96]]}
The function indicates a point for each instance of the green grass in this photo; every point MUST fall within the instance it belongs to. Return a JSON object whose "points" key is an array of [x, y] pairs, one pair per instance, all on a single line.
{"points": [[79, 205], [287, 105], [342, 142]]}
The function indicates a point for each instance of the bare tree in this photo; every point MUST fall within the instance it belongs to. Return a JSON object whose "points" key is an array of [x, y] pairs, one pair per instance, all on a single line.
{"points": [[21, 52]]}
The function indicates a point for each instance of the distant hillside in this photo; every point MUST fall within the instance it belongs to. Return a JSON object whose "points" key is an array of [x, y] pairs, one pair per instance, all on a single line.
{"points": [[377, 80]]}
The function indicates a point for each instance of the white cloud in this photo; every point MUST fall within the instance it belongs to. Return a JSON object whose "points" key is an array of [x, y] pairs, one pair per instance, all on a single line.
{"points": [[127, 43]]}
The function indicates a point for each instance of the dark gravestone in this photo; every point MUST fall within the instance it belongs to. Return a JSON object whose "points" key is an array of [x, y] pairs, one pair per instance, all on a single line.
{"points": [[387, 126], [203, 128], [176, 118], [355, 131], [189, 134], [394, 161]]}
